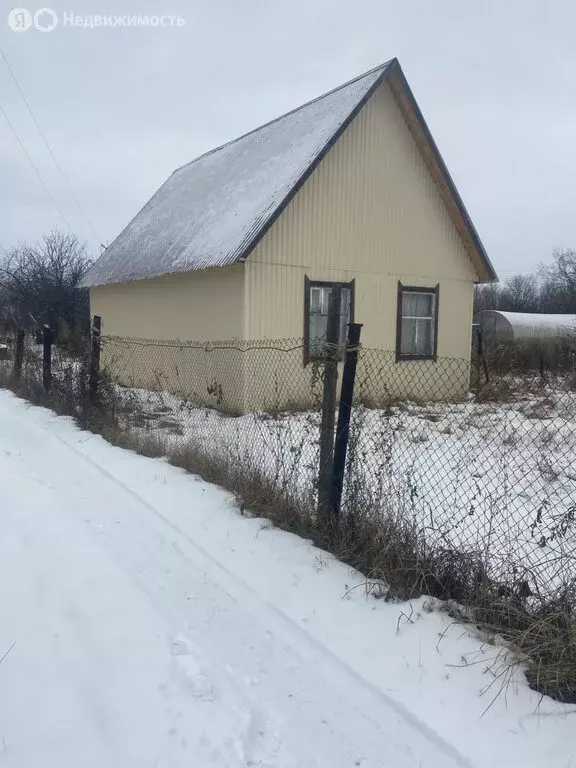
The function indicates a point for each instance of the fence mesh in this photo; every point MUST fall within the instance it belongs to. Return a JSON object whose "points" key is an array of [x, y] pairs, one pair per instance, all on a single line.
{"points": [[470, 465], [489, 473], [485, 468]]}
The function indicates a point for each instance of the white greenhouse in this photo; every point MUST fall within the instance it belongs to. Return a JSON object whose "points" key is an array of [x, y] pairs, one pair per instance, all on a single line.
{"points": [[499, 326]]}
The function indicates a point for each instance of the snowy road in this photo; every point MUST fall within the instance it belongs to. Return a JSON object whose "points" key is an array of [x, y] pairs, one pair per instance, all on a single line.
{"points": [[153, 626]]}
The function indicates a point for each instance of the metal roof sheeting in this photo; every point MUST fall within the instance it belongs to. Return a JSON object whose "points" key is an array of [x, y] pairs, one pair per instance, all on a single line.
{"points": [[211, 212]]}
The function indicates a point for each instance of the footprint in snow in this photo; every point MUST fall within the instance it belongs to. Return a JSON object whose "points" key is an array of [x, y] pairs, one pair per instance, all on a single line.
{"points": [[187, 670]]}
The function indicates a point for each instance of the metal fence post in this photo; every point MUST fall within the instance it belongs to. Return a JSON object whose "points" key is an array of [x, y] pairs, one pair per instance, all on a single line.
{"points": [[18, 355], [482, 358], [329, 401], [95, 359], [344, 413], [47, 358]]}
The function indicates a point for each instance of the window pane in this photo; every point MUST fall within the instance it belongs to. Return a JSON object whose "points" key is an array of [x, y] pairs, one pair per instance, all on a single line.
{"points": [[417, 304], [318, 327], [344, 314], [416, 337], [318, 317], [325, 291], [315, 300]]}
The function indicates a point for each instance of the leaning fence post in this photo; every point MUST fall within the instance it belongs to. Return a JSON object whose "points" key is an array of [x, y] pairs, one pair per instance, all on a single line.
{"points": [[344, 413], [95, 358], [329, 401], [47, 358], [18, 356], [482, 358]]}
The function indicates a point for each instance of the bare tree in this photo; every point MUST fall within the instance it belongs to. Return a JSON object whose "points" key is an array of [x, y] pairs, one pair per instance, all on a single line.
{"points": [[520, 294], [487, 296], [558, 292], [39, 282], [552, 297], [565, 269], [551, 289]]}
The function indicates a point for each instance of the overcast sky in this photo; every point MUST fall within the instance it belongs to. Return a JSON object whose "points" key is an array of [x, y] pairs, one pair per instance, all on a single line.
{"points": [[123, 107]]}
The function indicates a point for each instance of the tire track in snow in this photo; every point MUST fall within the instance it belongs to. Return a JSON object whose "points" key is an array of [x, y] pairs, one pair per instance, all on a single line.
{"points": [[239, 591], [231, 587]]}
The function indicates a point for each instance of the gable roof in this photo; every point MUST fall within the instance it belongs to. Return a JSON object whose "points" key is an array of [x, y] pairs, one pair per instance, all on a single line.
{"points": [[214, 210]]}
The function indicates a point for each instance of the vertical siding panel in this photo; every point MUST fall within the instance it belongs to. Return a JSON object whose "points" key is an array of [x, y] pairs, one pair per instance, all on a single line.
{"points": [[194, 306], [370, 211], [207, 305]]}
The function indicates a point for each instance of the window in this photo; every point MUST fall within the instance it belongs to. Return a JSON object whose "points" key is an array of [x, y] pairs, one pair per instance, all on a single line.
{"points": [[316, 301], [417, 323]]}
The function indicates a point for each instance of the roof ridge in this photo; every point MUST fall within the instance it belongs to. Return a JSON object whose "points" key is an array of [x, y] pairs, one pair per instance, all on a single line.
{"points": [[285, 114]]}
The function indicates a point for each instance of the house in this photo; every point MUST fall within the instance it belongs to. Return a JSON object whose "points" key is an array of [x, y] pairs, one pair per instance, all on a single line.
{"points": [[244, 243]]}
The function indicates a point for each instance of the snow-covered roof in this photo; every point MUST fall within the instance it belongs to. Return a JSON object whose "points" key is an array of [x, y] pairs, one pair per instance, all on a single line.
{"points": [[212, 211], [209, 212], [530, 325]]}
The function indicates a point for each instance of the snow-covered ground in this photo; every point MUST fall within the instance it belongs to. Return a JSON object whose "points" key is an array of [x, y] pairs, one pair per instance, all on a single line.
{"points": [[498, 479], [148, 623]]}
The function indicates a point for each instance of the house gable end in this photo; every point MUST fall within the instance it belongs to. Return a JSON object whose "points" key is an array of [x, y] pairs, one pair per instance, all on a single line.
{"points": [[439, 172], [405, 113], [370, 210]]}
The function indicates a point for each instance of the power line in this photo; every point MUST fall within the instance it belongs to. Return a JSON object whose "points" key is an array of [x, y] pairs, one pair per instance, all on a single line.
{"points": [[49, 148], [54, 203]]}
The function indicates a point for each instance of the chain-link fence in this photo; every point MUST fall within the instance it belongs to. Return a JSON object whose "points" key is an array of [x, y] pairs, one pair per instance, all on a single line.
{"points": [[485, 467], [489, 472], [460, 478], [231, 376]]}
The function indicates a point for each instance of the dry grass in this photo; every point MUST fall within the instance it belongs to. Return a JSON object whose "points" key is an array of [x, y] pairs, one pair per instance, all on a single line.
{"points": [[540, 636], [149, 445], [255, 492], [545, 356], [549, 644], [495, 391]]}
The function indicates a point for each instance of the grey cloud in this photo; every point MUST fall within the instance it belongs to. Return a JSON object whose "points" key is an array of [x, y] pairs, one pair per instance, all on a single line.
{"points": [[122, 108]]}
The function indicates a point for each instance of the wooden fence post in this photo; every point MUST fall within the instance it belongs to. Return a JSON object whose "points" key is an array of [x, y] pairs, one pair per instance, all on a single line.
{"points": [[18, 356], [47, 358], [329, 401], [344, 413], [95, 359]]}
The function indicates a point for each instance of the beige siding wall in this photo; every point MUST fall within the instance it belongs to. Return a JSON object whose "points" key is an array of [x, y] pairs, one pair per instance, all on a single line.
{"points": [[370, 211], [197, 306]]}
